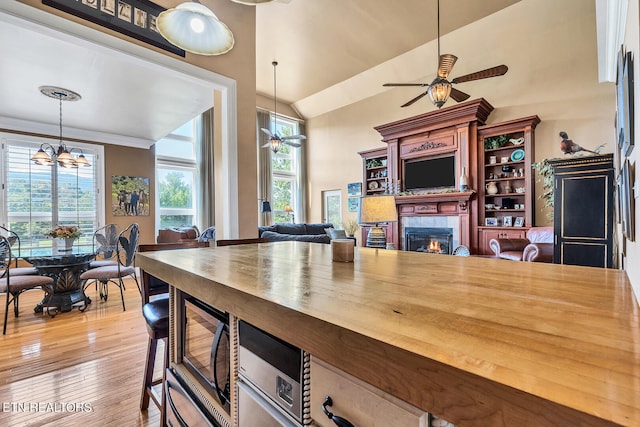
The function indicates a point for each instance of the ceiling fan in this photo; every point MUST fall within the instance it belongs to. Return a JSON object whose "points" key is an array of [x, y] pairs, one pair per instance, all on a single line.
{"points": [[275, 141], [440, 88]]}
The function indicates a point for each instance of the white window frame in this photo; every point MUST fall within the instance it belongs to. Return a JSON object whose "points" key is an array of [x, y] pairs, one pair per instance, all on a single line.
{"points": [[180, 164], [291, 176], [35, 142]]}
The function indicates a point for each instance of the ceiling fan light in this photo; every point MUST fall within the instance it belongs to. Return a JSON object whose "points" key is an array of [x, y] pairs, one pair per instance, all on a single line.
{"points": [[439, 91], [196, 29], [276, 143]]}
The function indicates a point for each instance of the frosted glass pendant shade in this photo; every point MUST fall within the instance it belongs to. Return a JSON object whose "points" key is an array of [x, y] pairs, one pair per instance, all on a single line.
{"points": [[251, 2], [196, 29]]}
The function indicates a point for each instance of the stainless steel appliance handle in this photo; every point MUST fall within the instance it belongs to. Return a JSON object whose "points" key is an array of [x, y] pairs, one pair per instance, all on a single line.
{"points": [[339, 421], [173, 406], [215, 348]]}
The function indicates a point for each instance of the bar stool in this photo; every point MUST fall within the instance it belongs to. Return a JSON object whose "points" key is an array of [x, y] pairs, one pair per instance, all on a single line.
{"points": [[156, 314]]}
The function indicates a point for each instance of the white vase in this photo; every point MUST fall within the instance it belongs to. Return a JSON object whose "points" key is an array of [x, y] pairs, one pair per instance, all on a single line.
{"points": [[63, 244]]}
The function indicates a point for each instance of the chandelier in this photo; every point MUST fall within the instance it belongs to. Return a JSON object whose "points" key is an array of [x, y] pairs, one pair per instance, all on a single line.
{"points": [[49, 155]]}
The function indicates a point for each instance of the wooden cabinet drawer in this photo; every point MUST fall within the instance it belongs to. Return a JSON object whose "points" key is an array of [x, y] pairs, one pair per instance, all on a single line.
{"points": [[360, 403]]}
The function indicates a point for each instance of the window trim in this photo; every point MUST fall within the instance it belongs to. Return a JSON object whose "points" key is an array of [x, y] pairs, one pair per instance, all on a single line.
{"points": [[32, 141]]}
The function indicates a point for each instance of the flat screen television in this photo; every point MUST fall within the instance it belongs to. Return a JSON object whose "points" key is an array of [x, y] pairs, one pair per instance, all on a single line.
{"points": [[430, 173]]}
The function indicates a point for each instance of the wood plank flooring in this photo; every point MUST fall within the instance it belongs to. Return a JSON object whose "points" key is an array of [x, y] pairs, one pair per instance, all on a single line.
{"points": [[77, 369]]}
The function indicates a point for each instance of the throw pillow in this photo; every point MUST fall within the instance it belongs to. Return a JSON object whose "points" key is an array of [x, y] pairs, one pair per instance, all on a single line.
{"points": [[336, 234]]}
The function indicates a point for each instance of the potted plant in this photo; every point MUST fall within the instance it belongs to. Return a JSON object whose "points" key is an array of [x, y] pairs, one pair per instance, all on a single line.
{"points": [[350, 226]]}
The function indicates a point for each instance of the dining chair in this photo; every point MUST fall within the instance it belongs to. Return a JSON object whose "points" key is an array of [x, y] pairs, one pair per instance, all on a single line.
{"points": [[14, 240], [156, 313], [14, 285], [105, 240], [126, 248]]}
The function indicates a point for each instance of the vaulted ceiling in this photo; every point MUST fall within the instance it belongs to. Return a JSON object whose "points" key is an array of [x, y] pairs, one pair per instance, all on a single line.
{"points": [[319, 45]]}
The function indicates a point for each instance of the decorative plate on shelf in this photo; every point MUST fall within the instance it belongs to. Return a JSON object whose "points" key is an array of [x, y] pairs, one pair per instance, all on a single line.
{"points": [[373, 185], [517, 155]]}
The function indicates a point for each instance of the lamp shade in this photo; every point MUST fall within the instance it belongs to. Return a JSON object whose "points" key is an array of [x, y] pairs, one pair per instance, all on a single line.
{"points": [[266, 206], [375, 209], [196, 29]]}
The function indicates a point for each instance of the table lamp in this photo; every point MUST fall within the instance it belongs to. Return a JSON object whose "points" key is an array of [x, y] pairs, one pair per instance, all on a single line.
{"points": [[374, 210], [288, 209]]}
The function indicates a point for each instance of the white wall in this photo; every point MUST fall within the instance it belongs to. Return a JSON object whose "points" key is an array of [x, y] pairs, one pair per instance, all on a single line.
{"points": [[631, 250]]}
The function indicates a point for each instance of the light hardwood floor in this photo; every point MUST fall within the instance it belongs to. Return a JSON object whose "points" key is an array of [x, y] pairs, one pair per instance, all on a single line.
{"points": [[77, 369]]}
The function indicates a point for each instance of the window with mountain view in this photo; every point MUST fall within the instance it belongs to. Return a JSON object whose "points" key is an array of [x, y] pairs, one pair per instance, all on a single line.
{"points": [[37, 198]]}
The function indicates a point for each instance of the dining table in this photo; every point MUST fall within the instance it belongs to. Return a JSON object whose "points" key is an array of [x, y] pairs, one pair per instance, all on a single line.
{"points": [[65, 268]]}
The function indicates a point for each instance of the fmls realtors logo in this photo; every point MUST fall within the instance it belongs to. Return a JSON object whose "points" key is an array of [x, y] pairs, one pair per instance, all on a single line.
{"points": [[53, 407]]}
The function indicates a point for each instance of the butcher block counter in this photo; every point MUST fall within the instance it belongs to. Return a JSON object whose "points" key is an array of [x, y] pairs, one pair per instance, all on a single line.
{"points": [[477, 341]]}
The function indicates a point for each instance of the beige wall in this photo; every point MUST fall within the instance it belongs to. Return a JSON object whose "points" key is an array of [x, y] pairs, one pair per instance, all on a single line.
{"points": [[631, 250], [125, 161], [238, 64], [550, 48]]}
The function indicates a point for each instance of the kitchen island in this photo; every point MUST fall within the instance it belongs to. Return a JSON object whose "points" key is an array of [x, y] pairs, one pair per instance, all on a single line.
{"points": [[477, 341]]}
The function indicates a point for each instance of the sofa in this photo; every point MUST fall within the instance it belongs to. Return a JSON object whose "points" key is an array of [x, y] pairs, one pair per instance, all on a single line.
{"points": [[185, 234], [298, 232], [537, 247]]}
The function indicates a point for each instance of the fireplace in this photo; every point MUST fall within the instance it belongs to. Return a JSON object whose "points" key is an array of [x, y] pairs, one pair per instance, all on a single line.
{"points": [[438, 240]]}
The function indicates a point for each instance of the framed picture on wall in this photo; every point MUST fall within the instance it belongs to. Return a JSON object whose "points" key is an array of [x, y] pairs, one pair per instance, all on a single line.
{"points": [[627, 207], [354, 189], [627, 90], [130, 196], [353, 204]]}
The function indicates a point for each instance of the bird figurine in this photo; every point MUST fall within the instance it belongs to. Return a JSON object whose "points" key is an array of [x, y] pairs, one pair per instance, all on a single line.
{"points": [[569, 147]]}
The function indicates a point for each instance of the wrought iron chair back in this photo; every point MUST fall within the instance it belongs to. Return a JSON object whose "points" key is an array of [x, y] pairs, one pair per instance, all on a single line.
{"points": [[16, 285], [12, 239], [126, 248]]}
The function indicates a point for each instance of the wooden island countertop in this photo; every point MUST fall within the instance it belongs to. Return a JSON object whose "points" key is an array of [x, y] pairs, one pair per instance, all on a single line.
{"points": [[477, 341]]}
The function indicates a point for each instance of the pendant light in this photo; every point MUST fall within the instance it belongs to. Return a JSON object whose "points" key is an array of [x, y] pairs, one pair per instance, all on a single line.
{"points": [[49, 155], [275, 141], [194, 28], [440, 88]]}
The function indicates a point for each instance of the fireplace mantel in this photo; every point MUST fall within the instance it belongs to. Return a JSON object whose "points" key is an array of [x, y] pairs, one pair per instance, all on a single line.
{"points": [[451, 131], [454, 196]]}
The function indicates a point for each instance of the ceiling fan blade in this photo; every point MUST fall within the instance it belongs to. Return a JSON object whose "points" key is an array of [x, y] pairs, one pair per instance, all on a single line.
{"points": [[405, 84], [267, 131], [484, 74], [446, 64], [458, 95], [268, 144], [414, 99], [293, 144], [284, 138]]}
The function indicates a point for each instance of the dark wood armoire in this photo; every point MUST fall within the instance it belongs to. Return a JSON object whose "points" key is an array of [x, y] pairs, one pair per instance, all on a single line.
{"points": [[584, 210]]}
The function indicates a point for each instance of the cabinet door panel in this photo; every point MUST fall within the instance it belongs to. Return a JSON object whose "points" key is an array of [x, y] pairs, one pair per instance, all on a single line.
{"points": [[358, 402]]}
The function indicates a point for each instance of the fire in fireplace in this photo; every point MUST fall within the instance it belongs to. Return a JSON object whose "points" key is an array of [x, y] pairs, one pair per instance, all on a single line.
{"points": [[428, 239]]}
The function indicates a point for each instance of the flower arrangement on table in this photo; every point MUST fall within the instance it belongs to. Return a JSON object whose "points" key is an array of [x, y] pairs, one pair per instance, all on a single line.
{"points": [[64, 232]]}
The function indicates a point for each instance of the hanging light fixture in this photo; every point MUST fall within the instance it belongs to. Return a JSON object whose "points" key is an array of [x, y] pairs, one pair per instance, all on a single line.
{"points": [[195, 28], [440, 88], [275, 141], [251, 2], [47, 154]]}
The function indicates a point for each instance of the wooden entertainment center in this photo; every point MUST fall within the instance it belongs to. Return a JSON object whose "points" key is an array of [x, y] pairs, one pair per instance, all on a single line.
{"points": [[499, 200]]}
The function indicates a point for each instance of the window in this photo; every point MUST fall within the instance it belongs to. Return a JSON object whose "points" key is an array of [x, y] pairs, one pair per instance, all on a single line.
{"points": [[37, 198], [285, 174], [176, 171]]}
